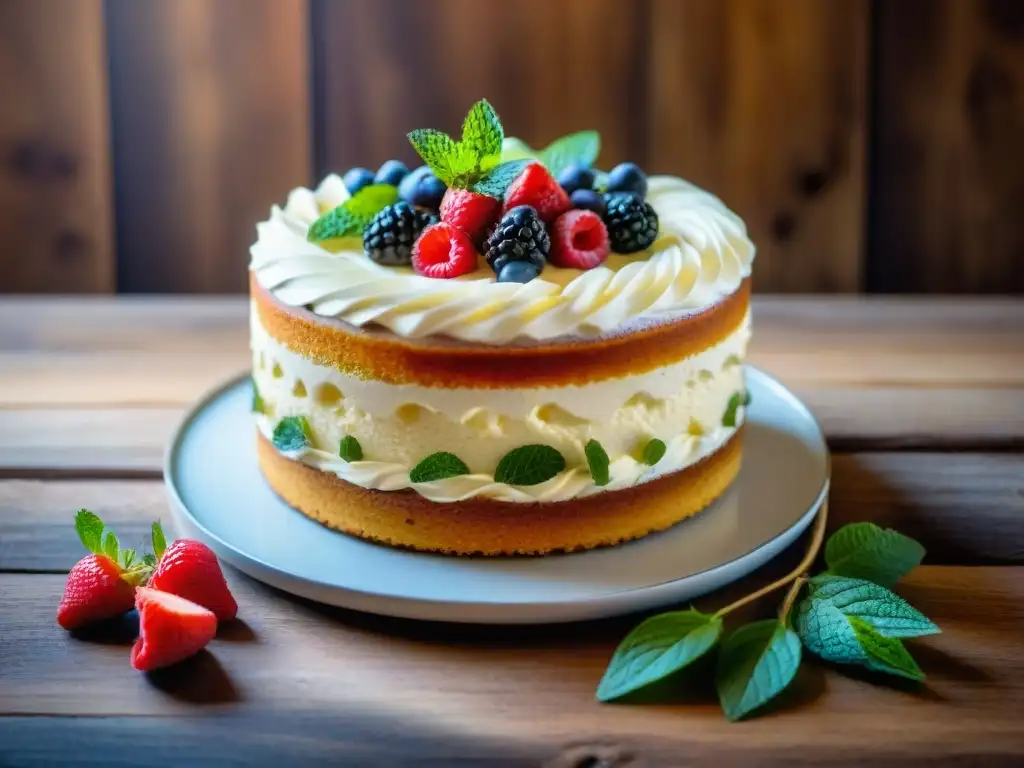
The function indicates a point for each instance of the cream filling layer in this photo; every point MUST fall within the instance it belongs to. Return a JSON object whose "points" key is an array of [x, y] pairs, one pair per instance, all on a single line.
{"points": [[398, 425]]}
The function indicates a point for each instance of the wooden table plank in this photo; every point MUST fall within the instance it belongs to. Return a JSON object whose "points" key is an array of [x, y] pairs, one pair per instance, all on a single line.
{"points": [[531, 686], [965, 508]]}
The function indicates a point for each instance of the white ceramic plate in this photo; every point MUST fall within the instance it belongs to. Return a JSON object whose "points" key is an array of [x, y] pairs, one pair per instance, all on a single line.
{"points": [[219, 496]]}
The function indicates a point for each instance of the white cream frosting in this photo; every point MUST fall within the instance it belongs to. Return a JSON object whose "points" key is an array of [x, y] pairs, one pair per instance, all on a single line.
{"points": [[701, 255], [398, 425]]}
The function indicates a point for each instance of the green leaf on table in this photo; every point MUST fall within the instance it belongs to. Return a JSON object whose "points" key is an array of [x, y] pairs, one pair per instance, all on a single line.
{"points": [[529, 465], [352, 216], [483, 135], [659, 646], [653, 452], [438, 466], [597, 460], [888, 613], [731, 409], [292, 434], [349, 449], [498, 179], [111, 547], [580, 148], [90, 530], [158, 538], [885, 654], [866, 551], [755, 664]]}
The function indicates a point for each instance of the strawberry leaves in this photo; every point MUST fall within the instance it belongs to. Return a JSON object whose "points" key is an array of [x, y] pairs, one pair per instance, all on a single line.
{"points": [[159, 542], [90, 530], [100, 540]]}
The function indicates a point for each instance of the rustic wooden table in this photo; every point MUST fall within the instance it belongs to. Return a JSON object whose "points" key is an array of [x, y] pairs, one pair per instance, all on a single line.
{"points": [[923, 404]]}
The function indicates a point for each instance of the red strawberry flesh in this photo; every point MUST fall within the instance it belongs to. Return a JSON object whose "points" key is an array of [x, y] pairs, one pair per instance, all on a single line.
{"points": [[171, 629], [190, 569]]}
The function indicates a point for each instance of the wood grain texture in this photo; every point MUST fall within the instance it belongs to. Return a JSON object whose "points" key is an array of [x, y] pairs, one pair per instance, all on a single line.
{"points": [[386, 67], [764, 103], [948, 170], [55, 190], [211, 120], [320, 680]]}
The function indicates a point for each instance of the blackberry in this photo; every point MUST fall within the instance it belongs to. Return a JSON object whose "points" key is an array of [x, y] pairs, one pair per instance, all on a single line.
{"points": [[632, 224], [519, 236], [389, 237]]}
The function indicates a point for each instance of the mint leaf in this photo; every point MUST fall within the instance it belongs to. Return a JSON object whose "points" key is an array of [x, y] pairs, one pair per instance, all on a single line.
{"points": [[863, 550], [529, 465], [454, 163], [90, 530], [498, 179], [738, 399], [111, 546], [582, 148], [826, 632], [888, 613], [755, 665], [292, 434], [349, 449], [257, 400], [597, 460], [516, 149], [159, 542], [885, 654], [659, 646], [483, 135], [352, 216], [653, 452], [438, 466]]}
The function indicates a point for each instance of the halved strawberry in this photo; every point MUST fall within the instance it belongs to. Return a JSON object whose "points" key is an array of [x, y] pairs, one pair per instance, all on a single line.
{"points": [[443, 251], [190, 569], [171, 629], [537, 188], [471, 212], [579, 240]]}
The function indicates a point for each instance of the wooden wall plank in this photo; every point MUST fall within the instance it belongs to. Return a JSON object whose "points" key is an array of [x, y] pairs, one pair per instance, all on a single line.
{"points": [[549, 67], [763, 102], [55, 192], [948, 172], [210, 104]]}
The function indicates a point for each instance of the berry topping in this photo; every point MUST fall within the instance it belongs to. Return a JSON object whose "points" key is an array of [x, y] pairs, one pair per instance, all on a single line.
{"points": [[171, 629], [575, 177], [357, 178], [389, 237], [94, 591], [519, 236], [422, 189], [589, 200], [632, 223], [443, 251], [470, 211], [407, 186], [392, 172], [579, 240], [518, 272], [537, 188], [627, 177], [190, 570]]}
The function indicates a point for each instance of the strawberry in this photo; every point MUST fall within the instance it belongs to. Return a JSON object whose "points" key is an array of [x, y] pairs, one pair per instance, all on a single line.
{"points": [[443, 251], [171, 628], [190, 570], [102, 584], [537, 188], [471, 212], [579, 240]]}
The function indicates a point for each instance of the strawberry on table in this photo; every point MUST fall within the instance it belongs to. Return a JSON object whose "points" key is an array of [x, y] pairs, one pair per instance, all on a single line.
{"points": [[537, 188], [171, 629], [101, 585], [190, 570]]}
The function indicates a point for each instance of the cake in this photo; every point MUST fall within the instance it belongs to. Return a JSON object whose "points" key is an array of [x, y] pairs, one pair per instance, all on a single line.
{"points": [[505, 352]]}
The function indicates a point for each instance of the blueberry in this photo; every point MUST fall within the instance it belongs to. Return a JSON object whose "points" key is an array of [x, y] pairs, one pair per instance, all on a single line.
{"points": [[357, 178], [429, 192], [589, 200], [518, 272], [575, 177], [407, 187], [627, 177], [392, 172]]}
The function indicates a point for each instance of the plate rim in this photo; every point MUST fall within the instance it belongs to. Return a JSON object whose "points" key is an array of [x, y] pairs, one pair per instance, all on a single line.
{"points": [[612, 603]]}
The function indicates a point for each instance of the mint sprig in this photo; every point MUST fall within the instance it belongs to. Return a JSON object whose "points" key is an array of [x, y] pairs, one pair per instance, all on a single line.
{"points": [[581, 148], [352, 216], [738, 399], [349, 449], [653, 452], [99, 540], [292, 434], [529, 465], [462, 164], [483, 135], [597, 461], [844, 620], [90, 531], [438, 466], [864, 550], [498, 179]]}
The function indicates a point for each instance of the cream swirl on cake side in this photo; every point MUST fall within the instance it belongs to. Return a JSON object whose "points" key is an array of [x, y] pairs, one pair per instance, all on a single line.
{"points": [[702, 254]]}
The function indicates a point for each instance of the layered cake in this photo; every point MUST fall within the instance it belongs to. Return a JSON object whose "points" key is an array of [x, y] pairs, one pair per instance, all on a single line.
{"points": [[506, 351]]}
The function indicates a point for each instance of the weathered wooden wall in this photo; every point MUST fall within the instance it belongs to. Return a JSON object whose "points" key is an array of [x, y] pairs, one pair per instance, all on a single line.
{"points": [[870, 145]]}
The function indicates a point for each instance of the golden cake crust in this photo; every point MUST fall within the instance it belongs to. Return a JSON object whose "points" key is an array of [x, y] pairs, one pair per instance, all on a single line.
{"points": [[489, 527]]}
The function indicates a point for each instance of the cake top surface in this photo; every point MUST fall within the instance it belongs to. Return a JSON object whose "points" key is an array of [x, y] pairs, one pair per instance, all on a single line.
{"points": [[529, 246]]}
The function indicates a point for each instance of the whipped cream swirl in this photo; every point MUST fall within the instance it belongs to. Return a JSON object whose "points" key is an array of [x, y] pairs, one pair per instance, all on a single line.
{"points": [[702, 254]]}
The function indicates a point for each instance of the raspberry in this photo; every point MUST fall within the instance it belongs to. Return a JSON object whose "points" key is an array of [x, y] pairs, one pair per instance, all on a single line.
{"points": [[579, 240], [473, 213], [443, 251], [538, 189]]}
